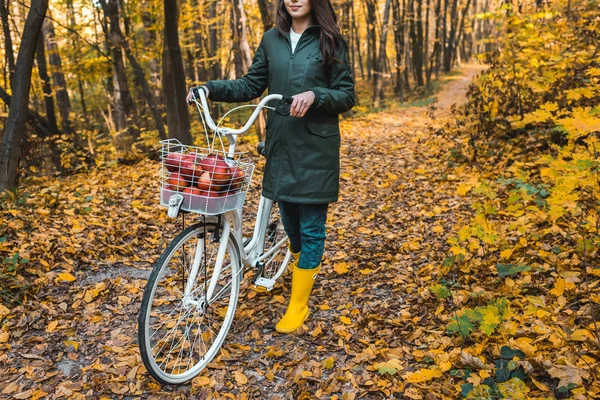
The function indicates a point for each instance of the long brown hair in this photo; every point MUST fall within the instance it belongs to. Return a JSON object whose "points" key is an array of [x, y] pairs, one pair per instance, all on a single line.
{"points": [[323, 15]]}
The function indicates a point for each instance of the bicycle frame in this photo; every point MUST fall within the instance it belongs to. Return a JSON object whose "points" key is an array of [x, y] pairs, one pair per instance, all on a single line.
{"points": [[232, 221]]}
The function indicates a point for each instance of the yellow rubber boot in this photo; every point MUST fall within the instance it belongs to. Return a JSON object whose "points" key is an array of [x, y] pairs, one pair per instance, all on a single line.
{"points": [[297, 311]]}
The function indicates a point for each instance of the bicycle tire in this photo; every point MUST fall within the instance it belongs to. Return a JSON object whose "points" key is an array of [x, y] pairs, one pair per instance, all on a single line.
{"points": [[197, 361]]}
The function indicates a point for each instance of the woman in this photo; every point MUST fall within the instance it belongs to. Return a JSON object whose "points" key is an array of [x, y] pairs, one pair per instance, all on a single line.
{"points": [[305, 58]]}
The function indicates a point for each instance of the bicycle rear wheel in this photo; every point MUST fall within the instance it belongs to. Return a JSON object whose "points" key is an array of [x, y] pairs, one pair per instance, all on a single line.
{"points": [[179, 335]]}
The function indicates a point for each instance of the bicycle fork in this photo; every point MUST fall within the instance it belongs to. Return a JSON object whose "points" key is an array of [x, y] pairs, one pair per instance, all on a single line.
{"points": [[193, 276]]}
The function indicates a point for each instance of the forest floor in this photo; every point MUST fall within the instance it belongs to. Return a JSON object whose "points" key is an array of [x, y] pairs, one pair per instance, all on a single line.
{"points": [[77, 337]]}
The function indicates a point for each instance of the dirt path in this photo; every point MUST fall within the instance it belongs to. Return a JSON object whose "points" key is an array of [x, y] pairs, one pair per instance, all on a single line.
{"points": [[389, 229]]}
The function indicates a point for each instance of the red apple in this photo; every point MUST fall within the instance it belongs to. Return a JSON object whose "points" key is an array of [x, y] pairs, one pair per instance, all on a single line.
{"points": [[221, 173], [237, 178], [187, 169], [173, 161], [177, 182], [190, 157], [204, 181], [192, 190], [208, 163]]}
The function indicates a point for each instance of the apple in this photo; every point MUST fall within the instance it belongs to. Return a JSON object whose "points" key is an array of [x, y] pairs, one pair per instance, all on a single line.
{"points": [[237, 178], [221, 173], [177, 182], [208, 163], [190, 157], [192, 190], [187, 169], [173, 161], [204, 181]]}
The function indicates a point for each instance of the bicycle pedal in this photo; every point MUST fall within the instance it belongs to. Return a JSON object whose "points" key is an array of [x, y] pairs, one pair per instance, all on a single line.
{"points": [[264, 283]]}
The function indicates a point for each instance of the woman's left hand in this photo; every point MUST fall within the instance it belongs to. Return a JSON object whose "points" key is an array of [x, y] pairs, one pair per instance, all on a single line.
{"points": [[301, 103]]}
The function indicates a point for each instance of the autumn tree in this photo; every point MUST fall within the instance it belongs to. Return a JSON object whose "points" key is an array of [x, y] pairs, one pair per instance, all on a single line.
{"points": [[14, 130]]}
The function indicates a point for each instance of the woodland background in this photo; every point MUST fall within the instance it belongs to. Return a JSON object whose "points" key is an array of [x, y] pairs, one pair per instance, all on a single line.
{"points": [[466, 239]]}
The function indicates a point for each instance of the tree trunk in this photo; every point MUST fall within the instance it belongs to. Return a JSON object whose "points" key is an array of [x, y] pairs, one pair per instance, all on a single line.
{"points": [[356, 34], [267, 12], [378, 90], [416, 44], [126, 122], [46, 84], [174, 89], [150, 39], [8, 47], [371, 19], [214, 40], [58, 77], [14, 130], [200, 74], [398, 40], [426, 48], [460, 31], [449, 54], [241, 36], [437, 47]]}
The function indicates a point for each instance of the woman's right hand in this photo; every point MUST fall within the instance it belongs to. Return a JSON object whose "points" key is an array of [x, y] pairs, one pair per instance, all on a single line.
{"points": [[190, 96]]}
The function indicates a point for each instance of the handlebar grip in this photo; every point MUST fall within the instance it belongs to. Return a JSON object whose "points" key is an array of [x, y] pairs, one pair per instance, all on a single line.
{"points": [[194, 90], [262, 148]]}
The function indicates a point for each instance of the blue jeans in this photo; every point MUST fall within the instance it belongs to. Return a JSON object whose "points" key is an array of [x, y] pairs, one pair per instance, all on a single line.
{"points": [[305, 226]]}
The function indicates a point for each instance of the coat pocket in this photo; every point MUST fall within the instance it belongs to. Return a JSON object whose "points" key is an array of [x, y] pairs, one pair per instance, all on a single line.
{"points": [[322, 146]]}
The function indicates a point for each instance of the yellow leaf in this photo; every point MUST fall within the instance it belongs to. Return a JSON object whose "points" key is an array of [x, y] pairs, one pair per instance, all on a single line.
{"points": [[317, 331], [506, 253], [51, 326], [70, 212], [88, 296], [43, 211], [559, 287], [345, 320], [77, 228], [365, 271], [437, 229], [306, 374], [525, 345], [324, 307], [4, 311], [340, 268], [581, 335], [72, 343], [38, 394], [446, 366], [66, 277], [4, 336], [327, 364], [423, 375], [240, 378]]}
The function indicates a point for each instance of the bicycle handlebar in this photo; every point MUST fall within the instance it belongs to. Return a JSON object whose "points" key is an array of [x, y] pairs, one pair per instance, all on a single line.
{"points": [[228, 131]]}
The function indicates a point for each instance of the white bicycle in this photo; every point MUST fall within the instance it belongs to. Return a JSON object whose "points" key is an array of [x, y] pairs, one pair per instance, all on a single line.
{"points": [[190, 299]]}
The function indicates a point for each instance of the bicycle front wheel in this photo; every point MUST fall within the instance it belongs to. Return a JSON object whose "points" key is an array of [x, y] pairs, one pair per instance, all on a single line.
{"points": [[180, 327]]}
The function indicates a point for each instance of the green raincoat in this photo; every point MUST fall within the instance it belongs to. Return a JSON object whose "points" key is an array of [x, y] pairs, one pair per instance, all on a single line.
{"points": [[303, 154]]}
